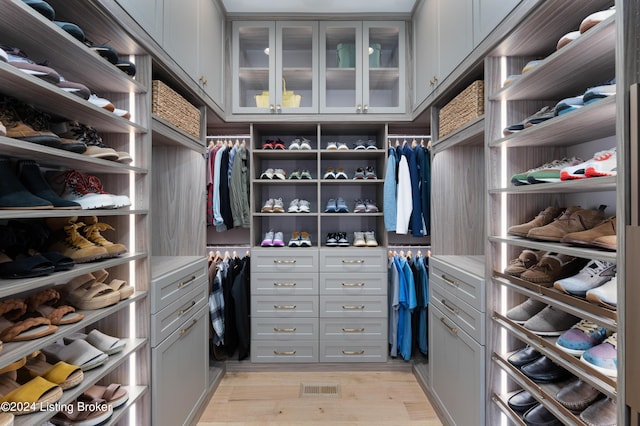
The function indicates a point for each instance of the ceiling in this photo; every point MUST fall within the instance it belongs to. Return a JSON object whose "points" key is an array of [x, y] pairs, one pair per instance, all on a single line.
{"points": [[319, 6]]}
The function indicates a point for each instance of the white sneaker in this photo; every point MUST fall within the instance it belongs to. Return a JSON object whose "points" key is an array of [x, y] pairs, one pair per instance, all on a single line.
{"points": [[605, 295], [369, 237], [74, 188], [94, 185], [304, 206], [279, 174], [604, 163], [267, 174], [3, 56], [102, 102], [596, 273], [294, 206]]}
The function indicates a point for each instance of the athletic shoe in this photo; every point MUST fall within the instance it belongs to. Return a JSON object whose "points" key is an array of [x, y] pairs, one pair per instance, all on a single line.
{"points": [[522, 178], [278, 239], [305, 239], [72, 185], [329, 174], [340, 174], [332, 146], [278, 206], [294, 206], [550, 321], [524, 261], [545, 113], [279, 174], [332, 240], [267, 174], [604, 357], [294, 174], [596, 273], [295, 239], [605, 295], [331, 206], [567, 38], [594, 94], [551, 172], [95, 185], [574, 172], [527, 309], [358, 239], [604, 163], [341, 206], [582, 336], [569, 104], [594, 19], [19, 59], [3, 56], [370, 207], [305, 174], [268, 239], [267, 207], [369, 173], [304, 206], [101, 102], [359, 207], [370, 239], [343, 241], [531, 65]]}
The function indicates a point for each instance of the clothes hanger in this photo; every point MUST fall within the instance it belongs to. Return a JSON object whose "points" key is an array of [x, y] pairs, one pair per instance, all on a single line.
{"points": [[409, 254]]}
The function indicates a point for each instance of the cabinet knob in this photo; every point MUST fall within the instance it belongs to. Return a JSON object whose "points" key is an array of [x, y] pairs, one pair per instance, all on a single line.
{"points": [[359, 108], [203, 80], [278, 108], [365, 108], [272, 108]]}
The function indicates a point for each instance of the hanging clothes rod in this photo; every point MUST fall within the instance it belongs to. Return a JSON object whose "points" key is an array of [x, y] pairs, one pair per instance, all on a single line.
{"points": [[409, 136], [228, 136]]}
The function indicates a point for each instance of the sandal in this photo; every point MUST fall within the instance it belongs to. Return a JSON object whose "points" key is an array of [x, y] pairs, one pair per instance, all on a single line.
{"points": [[125, 289], [84, 412], [62, 374], [107, 344], [78, 352], [114, 394], [46, 304], [96, 296], [15, 328], [24, 266], [34, 395]]}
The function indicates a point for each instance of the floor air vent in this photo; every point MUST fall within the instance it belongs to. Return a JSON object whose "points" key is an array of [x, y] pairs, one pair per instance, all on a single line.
{"points": [[320, 389]]}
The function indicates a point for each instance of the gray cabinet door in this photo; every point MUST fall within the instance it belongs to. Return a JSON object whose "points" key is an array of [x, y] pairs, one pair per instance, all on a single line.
{"points": [[147, 13], [181, 33], [211, 54], [487, 14], [425, 45], [455, 34]]}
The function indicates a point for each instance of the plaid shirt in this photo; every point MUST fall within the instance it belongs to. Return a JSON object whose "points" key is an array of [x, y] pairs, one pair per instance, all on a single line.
{"points": [[216, 305]]}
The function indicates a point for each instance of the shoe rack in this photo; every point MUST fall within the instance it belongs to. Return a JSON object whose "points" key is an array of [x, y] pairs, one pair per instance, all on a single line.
{"points": [[563, 73], [22, 27]]}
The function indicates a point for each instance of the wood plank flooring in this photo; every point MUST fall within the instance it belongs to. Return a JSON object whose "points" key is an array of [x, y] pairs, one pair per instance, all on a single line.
{"points": [[364, 398]]}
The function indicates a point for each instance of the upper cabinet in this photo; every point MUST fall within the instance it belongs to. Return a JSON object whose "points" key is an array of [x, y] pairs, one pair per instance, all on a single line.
{"points": [[487, 14], [275, 67], [148, 14], [362, 67], [211, 55]]}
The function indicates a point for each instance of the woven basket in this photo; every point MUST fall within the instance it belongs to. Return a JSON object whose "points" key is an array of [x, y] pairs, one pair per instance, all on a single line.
{"points": [[465, 107], [172, 107]]}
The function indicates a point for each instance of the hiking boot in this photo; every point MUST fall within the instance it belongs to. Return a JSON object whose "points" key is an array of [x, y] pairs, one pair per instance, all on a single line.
{"points": [[66, 239], [526, 260], [543, 218], [591, 236], [71, 185], [552, 267], [574, 219], [95, 185], [91, 232]]}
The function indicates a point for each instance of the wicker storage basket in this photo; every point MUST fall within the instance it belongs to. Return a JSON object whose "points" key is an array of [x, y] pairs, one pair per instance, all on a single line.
{"points": [[172, 107], [467, 106]]}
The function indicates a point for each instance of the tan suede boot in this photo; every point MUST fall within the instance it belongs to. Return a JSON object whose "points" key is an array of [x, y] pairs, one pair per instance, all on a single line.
{"points": [[543, 218], [552, 267], [67, 240], [526, 260], [574, 219], [602, 235], [92, 230]]}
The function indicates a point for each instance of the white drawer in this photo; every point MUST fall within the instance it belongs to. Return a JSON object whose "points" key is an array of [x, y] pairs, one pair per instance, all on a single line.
{"points": [[363, 306], [353, 260], [365, 283], [352, 350], [359, 328], [284, 328], [284, 306], [463, 284], [170, 318], [459, 312], [169, 286], [283, 259], [272, 283], [284, 351]]}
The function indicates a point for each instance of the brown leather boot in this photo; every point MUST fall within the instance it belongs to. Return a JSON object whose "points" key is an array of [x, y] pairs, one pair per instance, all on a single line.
{"points": [[574, 219], [552, 267], [543, 218]]}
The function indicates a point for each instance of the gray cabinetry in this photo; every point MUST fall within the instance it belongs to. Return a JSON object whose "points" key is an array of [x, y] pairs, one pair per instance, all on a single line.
{"points": [[179, 338], [211, 50], [487, 14], [148, 14], [180, 34]]}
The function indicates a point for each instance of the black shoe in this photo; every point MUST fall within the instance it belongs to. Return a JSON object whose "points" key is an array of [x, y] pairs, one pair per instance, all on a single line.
{"points": [[13, 195], [543, 370], [522, 401], [540, 416], [72, 29], [31, 177], [524, 356], [127, 67], [109, 53], [42, 7]]}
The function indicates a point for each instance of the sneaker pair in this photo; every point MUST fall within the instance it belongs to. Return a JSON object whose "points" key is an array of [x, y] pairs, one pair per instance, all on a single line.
{"points": [[300, 143], [273, 239], [336, 206], [548, 172], [541, 319], [365, 173], [340, 146], [337, 239], [591, 95], [273, 205], [300, 174], [603, 163], [364, 145], [595, 274], [364, 239], [273, 144], [365, 206], [581, 337], [544, 114], [338, 173], [273, 174], [300, 239], [299, 206], [86, 190]]}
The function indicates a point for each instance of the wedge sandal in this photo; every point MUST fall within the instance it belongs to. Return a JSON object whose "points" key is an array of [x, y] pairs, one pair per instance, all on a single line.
{"points": [[84, 412], [96, 296], [46, 304], [37, 392]]}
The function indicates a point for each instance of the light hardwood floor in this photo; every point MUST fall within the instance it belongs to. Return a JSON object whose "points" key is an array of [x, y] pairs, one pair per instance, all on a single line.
{"points": [[364, 398]]}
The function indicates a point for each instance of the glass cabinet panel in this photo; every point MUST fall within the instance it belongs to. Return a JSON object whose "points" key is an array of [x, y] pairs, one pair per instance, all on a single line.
{"points": [[384, 62]]}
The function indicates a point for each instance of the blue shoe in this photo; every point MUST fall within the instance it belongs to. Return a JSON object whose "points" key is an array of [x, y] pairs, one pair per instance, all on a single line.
{"points": [[341, 206], [42, 7], [604, 357], [331, 206], [569, 104], [581, 337], [602, 91]]}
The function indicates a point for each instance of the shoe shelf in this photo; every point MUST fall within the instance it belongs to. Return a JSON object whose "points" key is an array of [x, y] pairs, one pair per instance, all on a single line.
{"points": [[587, 253], [593, 121], [135, 393], [90, 378], [570, 70], [502, 402], [285, 154], [165, 133], [569, 187], [471, 133]]}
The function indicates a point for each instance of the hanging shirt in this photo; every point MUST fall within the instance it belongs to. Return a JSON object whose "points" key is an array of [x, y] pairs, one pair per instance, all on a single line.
{"points": [[405, 201], [217, 215], [393, 279], [423, 305], [407, 302], [390, 201], [416, 205]]}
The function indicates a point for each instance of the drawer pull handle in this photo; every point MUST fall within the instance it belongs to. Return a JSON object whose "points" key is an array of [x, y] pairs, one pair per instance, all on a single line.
{"points": [[284, 306], [187, 282], [353, 352], [454, 330], [284, 352], [451, 281], [184, 311], [449, 307], [352, 261], [353, 284], [186, 330], [284, 262], [353, 307], [284, 330], [285, 284], [353, 330]]}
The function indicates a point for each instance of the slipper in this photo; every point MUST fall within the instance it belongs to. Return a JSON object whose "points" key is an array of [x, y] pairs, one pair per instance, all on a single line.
{"points": [[81, 413], [114, 394], [96, 296], [78, 352], [107, 344], [46, 304], [24, 266], [62, 374], [37, 393], [13, 328]]}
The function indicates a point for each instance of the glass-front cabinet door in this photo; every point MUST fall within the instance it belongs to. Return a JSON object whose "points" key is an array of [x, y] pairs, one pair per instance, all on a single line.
{"points": [[275, 67], [362, 67]]}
